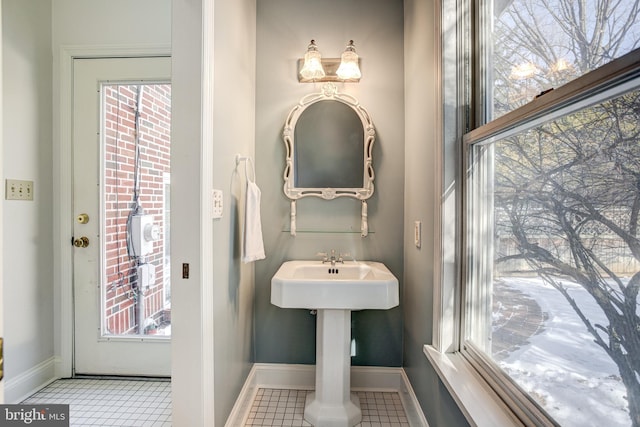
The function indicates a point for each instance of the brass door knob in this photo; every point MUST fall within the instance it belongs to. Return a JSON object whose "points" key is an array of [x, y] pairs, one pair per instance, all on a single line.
{"points": [[82, 242]]}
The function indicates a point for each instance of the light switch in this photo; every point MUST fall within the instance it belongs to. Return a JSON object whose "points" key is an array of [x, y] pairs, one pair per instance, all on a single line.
{"points": [[216, 204]]}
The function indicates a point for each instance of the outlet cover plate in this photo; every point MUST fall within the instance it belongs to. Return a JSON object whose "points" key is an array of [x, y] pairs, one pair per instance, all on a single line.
{"points": [[216, 204]]}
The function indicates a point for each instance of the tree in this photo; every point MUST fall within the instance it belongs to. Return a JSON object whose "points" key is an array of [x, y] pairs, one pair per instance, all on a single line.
{"points": [[568, 192], [542, 44]]}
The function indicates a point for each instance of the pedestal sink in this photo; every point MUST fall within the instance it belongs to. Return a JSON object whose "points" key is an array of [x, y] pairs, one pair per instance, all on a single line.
{"points": [[334, 291]]}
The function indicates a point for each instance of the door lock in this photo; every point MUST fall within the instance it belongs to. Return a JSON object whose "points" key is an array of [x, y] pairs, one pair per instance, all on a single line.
{"points": [[82, 242], [83, 218]]}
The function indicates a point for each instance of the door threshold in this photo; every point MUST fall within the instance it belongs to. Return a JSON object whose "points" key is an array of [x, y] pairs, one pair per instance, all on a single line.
{"points": [[120, 377]]}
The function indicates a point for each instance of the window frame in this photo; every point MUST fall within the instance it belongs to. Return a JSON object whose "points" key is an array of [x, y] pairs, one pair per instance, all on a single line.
{"points": [[466, 372]]}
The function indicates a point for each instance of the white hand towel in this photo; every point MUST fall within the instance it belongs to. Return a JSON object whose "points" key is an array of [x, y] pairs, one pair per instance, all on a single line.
{"points": [[253, 248]]}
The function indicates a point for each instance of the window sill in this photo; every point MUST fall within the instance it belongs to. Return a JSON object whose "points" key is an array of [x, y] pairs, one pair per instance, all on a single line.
{"points": [[480, 405]]}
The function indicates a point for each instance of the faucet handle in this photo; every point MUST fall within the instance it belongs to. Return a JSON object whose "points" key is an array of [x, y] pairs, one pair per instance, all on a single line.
{"points": [[342, 256]]}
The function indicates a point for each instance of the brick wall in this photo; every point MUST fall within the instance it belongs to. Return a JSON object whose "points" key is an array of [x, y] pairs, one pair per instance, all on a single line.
{"points": [[119, 107]]}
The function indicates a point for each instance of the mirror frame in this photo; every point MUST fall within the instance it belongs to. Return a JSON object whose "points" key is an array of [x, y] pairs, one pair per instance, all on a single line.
{"points": [[329, 93]]}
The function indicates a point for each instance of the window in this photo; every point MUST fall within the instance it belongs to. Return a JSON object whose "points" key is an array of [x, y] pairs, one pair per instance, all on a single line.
{"points": [[552, 211], [136, 162]]}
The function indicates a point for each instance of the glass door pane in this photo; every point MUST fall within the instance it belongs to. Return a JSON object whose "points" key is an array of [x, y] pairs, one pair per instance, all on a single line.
{"points": [[136, 128]]}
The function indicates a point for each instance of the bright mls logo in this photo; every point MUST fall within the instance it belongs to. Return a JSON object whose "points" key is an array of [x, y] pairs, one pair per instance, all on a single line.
{"points": [[34, 415]]}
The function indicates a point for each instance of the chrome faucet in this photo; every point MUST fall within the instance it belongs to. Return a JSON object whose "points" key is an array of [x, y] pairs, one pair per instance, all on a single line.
{"points": [[332, 258]]}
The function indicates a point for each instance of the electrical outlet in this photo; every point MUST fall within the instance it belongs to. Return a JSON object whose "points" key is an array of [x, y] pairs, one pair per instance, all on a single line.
{"points": [[16, 189], [216, 204]]}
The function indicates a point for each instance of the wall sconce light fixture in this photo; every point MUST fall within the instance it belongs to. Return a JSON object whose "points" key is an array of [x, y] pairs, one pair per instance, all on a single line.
{"points": [[313, 68]]}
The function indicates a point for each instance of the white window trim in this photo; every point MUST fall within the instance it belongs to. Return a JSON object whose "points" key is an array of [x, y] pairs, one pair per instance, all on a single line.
{"points": [[478, 402]]}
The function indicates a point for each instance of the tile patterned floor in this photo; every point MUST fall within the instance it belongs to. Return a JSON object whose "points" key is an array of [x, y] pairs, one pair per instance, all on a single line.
{"points": [[274, 407], [143, 403], [110, 402]]}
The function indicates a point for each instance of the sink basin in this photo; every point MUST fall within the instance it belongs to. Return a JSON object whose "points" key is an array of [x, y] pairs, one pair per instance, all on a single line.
{"points": [[354, 285]]}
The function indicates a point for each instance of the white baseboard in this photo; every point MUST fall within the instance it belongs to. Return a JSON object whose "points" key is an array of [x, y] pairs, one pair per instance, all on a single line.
{"points": [[25, 384], [302, 377]]}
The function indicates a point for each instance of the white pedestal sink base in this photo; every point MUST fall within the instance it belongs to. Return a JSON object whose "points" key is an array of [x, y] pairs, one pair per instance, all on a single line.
{"points": [[334, 291], [332, 405], [348, 414]]}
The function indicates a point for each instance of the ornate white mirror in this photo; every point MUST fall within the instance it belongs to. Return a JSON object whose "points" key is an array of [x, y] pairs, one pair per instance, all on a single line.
{"points": [[329, 142]]}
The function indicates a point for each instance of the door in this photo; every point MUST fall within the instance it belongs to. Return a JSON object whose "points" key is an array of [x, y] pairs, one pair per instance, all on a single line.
{"points": [[121, 176]]}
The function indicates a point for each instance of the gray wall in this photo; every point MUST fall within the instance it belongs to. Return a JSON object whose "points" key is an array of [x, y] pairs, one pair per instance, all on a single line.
{"points": [[284, 29], [423, 162]]}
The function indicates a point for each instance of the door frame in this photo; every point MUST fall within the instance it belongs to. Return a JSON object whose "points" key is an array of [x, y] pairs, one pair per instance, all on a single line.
{"points": [[63, 188], [2, 382]]}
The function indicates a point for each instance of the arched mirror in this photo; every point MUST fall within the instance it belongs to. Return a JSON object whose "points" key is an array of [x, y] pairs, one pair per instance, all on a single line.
{"points": [[329, 141]]}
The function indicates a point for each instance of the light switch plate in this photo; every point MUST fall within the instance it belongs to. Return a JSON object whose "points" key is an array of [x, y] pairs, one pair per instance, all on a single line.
{"points": [[16, 189], [417, 238], [216, 204]]}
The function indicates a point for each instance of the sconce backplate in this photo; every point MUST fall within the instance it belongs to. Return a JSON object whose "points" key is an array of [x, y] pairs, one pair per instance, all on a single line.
{"points": [[330, 66]]}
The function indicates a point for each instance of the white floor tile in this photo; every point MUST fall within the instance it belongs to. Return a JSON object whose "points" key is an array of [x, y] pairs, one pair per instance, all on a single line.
{"points": [[272, 407], [92, 402]]}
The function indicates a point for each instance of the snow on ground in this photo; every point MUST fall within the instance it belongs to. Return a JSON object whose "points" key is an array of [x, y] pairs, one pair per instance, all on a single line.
{"points": [[562, 367]]}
